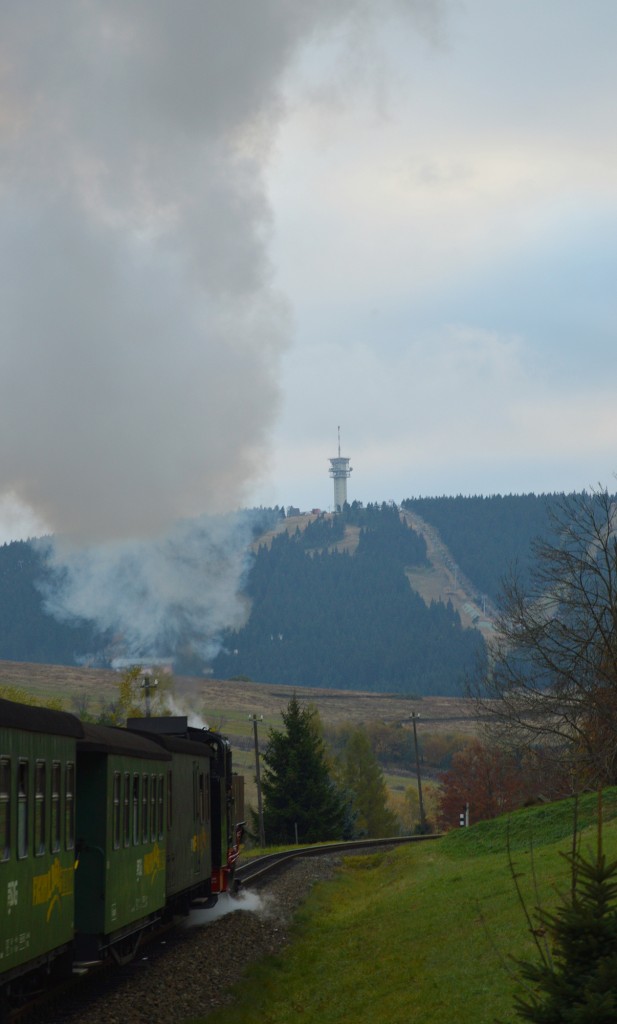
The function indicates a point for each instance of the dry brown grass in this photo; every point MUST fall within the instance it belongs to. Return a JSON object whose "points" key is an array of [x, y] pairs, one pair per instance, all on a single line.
{"points": [[233, 698], [226, 705]]}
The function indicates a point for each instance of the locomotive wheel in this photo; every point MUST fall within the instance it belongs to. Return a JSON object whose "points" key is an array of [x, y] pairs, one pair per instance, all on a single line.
{"points": [[124, 950]]}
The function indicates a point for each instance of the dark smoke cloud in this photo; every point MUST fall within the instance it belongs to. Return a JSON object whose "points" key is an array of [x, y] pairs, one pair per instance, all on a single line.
{"points": [[141, 334]]}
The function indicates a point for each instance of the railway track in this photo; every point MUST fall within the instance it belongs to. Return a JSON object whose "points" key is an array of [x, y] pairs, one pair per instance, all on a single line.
{"points": [[259, 868], [109, 984]]}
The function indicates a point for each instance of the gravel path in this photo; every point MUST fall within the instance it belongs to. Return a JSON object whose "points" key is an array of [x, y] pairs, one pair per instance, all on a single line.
{"points": [[190, 972]]}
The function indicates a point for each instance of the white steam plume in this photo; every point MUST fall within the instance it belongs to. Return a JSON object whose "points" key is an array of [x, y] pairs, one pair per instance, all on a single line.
{"points": [[140, 335], [155, 599], [252, 902]]}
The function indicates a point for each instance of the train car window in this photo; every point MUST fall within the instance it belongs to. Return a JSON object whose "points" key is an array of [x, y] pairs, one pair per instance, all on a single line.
{"points": [[5, 808], [135, 809], [145, 825], [117, 810], [22, 809], [169, 800], [40, 807], [127, 809], [55, 831], [69, 806], [161, 818], [195, 800], [153, 807]]}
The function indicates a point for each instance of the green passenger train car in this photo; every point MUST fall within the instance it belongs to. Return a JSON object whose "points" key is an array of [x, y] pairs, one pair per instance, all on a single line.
{"points": [[204, 815], [189, 861], [102, 832], [189, 837], [37, 837], [121, 815]]}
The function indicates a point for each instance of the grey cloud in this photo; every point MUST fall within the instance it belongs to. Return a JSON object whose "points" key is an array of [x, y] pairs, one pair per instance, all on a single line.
{"points": [[141, 333]]}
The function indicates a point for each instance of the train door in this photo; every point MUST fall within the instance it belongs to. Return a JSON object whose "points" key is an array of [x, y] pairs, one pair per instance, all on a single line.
{"points": [[200, 819]]}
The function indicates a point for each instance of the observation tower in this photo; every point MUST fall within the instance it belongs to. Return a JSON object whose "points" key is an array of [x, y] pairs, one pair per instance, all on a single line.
{"points": [[340, 471]]}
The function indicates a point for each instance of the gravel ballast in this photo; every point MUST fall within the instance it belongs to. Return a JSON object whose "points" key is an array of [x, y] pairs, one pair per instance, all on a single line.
{"points": [[191, 970]]}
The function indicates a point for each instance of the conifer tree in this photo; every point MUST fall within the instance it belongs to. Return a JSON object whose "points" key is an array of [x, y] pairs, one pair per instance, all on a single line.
{"points": [[575, 983], [298, 792]]}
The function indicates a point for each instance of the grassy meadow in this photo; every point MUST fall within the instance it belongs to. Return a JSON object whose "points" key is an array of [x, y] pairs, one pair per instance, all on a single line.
{"points": [[425, 933]]}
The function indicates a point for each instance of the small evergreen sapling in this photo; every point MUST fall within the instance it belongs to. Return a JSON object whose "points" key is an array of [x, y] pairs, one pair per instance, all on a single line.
{"points": [[575, 981]]}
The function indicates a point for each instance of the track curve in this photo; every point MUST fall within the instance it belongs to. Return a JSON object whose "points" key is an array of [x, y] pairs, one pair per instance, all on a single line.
{"points": [[260, 867]]}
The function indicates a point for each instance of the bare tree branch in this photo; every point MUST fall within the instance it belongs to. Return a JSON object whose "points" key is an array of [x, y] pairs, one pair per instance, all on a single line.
{"points": [[552, 675]]}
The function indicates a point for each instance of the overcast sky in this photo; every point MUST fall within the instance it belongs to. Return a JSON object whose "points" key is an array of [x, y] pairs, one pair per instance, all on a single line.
{"points": [[228, 229], [446, 234]]}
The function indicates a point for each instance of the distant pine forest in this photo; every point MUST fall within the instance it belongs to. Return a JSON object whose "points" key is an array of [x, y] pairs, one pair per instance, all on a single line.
{"points": [[325, 612], [489, 537], [326, 617]]}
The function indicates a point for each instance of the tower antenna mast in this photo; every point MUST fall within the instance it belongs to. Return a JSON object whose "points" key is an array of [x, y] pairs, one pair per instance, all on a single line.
{"points": [[340, 471]]}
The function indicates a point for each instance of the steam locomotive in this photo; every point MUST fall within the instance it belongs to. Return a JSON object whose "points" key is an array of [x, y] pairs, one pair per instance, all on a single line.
{"points": [[104, 832]]}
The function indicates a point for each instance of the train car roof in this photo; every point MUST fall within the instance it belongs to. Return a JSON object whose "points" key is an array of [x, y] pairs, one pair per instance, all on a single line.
{"points": [[180, 745], [106, 739], [170, 733], [216, 739], [29, 718]]}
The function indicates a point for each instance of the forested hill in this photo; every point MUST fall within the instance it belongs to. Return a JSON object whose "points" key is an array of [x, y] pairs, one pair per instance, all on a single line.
{"points": [[331, 604], [490, 537], [26, 632], [331, 617]]}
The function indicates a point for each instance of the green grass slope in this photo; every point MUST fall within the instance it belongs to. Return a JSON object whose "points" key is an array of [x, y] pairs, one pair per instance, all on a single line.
{"points": [[425, 933]]}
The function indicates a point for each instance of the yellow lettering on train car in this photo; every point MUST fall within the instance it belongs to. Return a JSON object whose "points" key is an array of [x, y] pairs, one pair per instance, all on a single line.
{"points": [[154, 862], [199, 842], [52, 886]]}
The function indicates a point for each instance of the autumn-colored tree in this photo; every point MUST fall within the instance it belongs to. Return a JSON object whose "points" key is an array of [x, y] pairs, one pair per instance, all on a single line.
{"points": [[136, 697], [438, 748], [488, 778], [364, 783], [20, 696], [597, 743], [390, 742], [393, 744], [406, 806]]}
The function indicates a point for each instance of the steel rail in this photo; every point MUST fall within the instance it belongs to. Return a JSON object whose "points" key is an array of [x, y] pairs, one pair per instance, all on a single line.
{"points": [[260, 867]]}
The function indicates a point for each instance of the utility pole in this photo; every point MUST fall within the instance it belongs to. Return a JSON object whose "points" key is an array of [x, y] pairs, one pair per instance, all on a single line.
{"points": [[146, 686], [260, 811], [413, 718]]}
